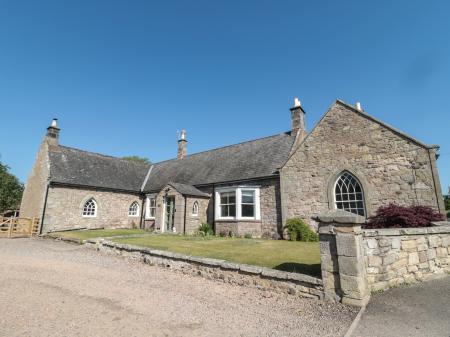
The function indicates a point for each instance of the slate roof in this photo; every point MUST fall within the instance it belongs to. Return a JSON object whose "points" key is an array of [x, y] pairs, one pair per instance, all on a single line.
{"points": [[76, 167], [253, 159], [188, 190]]}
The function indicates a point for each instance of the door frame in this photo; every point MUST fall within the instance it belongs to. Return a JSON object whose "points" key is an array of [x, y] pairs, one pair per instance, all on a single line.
{"points": [[163, 227]]}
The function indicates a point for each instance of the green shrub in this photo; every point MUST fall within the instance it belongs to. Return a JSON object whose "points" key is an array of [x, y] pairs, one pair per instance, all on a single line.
{"points": [[205, 229], [248, 235], [298, 230]]}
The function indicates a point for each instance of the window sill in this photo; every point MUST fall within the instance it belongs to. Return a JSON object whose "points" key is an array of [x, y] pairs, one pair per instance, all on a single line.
{"points": [[237, 220]]}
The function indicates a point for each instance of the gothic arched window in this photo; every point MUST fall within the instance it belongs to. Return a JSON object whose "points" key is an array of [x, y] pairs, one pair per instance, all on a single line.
{"points": [[349, 195], [90, 208], [195, 208], [134, 209]]}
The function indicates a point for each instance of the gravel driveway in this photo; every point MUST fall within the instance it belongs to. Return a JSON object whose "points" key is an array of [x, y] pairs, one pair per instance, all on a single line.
{"points": [[53, 288]]}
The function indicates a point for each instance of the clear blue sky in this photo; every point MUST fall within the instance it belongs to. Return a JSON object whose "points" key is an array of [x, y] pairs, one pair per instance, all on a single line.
{"points": [[124, 76]]}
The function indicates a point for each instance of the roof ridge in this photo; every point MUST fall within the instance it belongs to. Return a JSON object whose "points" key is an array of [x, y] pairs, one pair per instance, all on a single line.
{"points": [[224, 147], [105, 155]]}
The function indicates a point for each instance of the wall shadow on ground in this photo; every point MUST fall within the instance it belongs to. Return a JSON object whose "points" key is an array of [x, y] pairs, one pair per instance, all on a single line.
{"points": [[300, 268]]}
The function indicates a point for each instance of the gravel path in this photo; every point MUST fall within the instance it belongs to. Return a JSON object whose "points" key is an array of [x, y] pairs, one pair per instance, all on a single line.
{"points": [[53, 288]]}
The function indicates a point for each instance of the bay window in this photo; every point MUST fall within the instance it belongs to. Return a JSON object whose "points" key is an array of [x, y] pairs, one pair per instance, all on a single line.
{"points": [[236, 203]]}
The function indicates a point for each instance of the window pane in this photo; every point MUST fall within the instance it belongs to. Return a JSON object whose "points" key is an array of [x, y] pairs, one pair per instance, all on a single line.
{"points": [[224, 211], [232, 210], [248, 197], [349, 194], [232, 198], [248, 210], [223, 198]]}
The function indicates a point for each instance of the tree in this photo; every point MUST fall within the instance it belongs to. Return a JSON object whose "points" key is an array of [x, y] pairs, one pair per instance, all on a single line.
{"points": [[447, 202], [138, 159], [10, 190]]}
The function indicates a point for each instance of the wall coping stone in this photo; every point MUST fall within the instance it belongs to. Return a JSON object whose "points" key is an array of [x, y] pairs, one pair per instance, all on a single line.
{"points": [[339, 216], [406, 231], [209, 262], [441, 223]]}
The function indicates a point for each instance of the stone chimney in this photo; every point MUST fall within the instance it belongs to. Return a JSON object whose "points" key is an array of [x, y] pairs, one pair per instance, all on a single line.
{"points": [[52, 135], [298, 122], [182, 145]]}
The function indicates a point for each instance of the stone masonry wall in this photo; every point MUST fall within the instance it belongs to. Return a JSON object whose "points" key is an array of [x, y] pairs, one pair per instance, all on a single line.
{"points": [[218, 270], [238, 228], [390, 167], [396, 256], [194, 221], [178, 219], [64, 209], [34, 194]]}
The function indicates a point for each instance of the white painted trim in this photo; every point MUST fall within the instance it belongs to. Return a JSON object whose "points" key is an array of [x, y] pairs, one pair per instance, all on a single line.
{"points": [[238, 190], [147, 207], [95, 209], [137, 210]]}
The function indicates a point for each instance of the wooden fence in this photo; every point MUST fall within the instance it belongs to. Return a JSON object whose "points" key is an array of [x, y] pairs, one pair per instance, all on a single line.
{"points": [[18, 227]]}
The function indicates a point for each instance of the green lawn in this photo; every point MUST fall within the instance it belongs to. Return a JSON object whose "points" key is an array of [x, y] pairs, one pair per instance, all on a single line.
{"points": [[90, 234], [299, 257]]}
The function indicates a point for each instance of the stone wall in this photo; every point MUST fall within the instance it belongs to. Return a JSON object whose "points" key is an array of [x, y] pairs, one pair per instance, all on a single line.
{"points": [[390, 167], [355, 262], [194, 221], [238, 228], [160, 211], [65, 204], [33, 197], [218, 270], [396, 256]]}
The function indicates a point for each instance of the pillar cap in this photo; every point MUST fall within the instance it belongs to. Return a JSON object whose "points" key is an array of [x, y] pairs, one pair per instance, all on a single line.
{"points": [[340, 216]]}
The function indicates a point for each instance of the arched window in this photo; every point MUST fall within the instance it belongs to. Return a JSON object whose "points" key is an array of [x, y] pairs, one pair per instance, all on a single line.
{"points": [[90, 208], [349, 194], [195, 208], [134, 209]]}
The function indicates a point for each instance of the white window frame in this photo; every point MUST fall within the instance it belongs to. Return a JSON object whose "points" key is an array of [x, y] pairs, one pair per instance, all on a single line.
{"points": [[363, 199], [148, 208], [131, 212], [238, 190], [95, 209], [195, 207]]}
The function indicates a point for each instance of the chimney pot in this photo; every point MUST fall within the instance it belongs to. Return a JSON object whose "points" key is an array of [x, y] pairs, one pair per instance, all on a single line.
{"points": [[53, 133], [358, 106], [297, 102]]}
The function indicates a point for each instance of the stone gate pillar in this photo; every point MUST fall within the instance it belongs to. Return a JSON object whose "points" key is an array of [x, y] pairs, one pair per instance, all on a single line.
{"points": [[342, 257]]}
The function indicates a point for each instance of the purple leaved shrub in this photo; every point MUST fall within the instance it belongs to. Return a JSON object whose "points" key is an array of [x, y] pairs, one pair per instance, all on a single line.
{"points": [[395, 216]]}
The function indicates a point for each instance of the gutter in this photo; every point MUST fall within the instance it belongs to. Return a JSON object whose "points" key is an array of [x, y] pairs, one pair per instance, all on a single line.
{"points": [[433, 170], [185, 207]]}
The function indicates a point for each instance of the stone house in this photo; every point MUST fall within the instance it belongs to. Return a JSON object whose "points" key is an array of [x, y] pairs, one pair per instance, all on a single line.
{"points": [[349, 160]]}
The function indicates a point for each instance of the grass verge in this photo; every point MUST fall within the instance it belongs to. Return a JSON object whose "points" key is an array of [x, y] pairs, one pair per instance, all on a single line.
{"points": [[297, 257]]}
